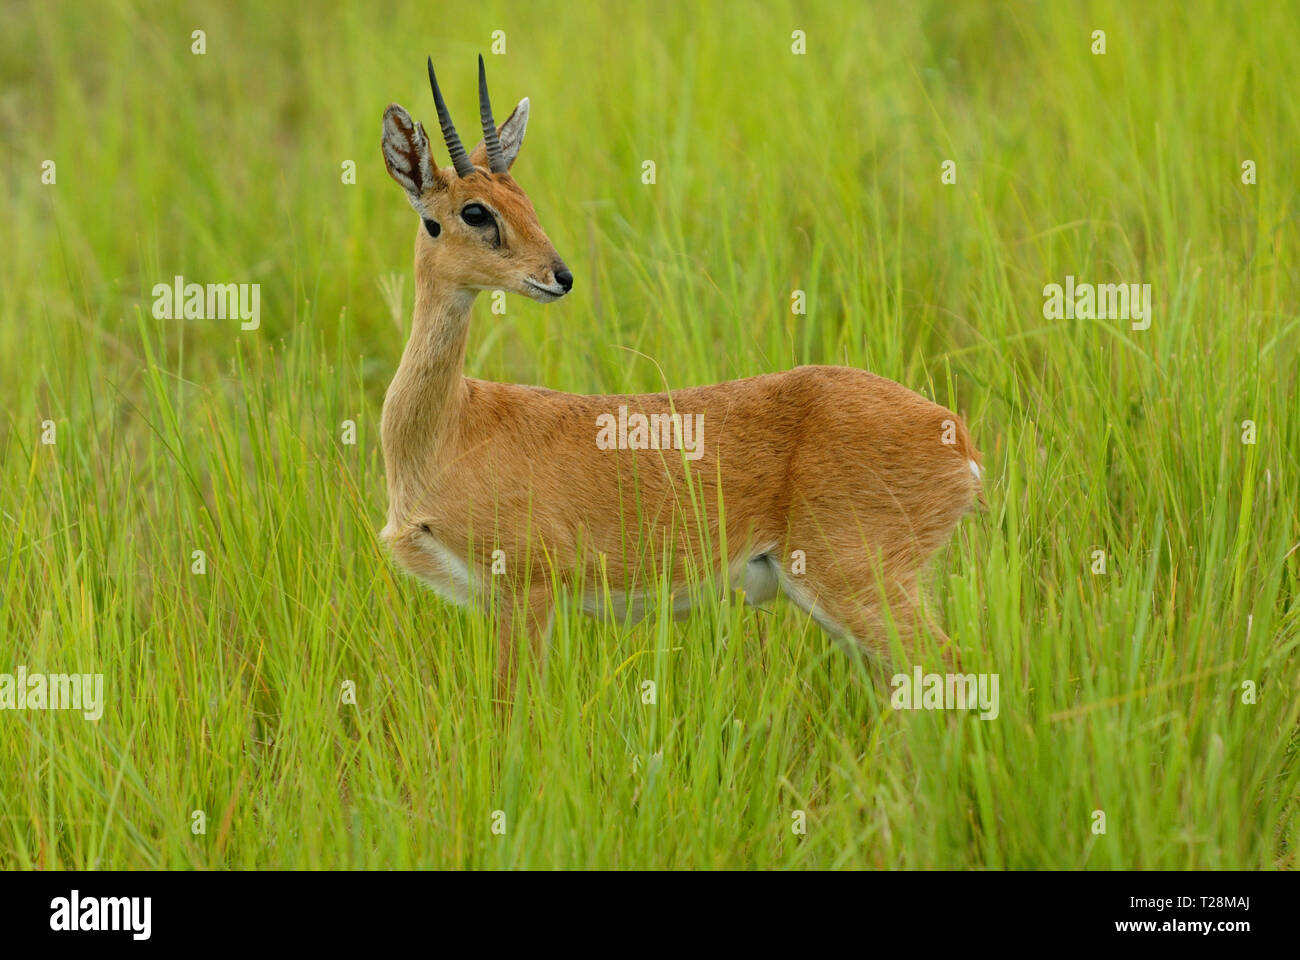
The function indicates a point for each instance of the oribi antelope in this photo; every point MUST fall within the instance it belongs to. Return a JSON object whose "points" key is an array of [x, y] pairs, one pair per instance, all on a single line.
{"points": [[836, 485]]}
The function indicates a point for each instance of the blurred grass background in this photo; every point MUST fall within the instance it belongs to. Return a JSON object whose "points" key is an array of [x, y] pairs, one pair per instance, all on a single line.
{"points": [[1120, 692]]}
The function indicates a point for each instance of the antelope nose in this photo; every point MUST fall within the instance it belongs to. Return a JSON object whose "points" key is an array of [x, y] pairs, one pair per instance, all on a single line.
{"points": [[564, 278]]}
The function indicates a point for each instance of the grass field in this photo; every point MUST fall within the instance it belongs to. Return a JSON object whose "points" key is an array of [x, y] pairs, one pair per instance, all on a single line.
{"points": [[1127, 692]]}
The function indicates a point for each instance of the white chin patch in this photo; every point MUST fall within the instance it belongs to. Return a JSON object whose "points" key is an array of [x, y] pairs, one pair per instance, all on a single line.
{"points": [[974, 468]]}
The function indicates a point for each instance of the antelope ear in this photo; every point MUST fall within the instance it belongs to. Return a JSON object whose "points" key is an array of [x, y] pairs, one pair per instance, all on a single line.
{"points": [[407, 156], [511, 135]]}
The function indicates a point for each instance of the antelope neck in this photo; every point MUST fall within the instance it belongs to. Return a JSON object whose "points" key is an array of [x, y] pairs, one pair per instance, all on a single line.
{"points": [[428, 391]]}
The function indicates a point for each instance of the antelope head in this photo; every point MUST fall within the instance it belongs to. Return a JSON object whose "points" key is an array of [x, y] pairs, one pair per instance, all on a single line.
{"points": [[478, 228]]}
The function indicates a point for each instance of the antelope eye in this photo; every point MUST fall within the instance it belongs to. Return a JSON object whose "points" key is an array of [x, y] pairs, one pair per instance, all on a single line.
{"points": [[476, 215]]}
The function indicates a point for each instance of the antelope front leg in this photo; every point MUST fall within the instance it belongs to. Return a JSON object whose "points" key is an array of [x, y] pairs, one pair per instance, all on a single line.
{"points": [[534, 606]]}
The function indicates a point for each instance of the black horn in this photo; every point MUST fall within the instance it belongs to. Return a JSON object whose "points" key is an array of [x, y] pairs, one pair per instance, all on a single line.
{"points": [[496, 157], [459, 158]]}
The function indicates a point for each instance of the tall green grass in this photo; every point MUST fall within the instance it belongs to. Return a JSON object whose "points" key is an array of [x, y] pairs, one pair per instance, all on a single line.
{"points": [[1120, 692]]}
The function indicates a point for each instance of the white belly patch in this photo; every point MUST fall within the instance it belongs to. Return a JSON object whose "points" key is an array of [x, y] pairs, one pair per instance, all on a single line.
{"points": [[758, 576]]}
